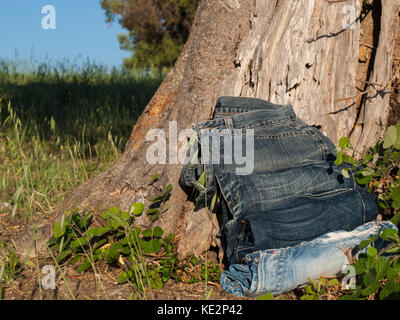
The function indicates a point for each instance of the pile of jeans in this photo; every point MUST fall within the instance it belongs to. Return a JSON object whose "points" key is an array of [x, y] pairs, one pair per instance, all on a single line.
{"points": [[285, 208]]}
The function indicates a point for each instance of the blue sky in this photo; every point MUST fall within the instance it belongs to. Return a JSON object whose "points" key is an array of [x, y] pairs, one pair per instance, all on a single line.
{"points": [[81, 30]]}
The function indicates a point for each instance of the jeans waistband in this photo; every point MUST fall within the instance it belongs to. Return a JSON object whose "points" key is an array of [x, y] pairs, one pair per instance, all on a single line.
{"points": [[232, 105], [234, 113]]}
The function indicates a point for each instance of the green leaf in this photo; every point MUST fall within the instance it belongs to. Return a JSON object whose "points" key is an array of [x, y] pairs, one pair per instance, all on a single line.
{"points": [[155, 177], [372, 252], [389, 234], [169, 238], [115, 224], [78, 243], [154, 217], [333, 282], [339, 159], [345, 173], [147, 233], [382, 202], [395, 194], [392, 274], [370, 289], [382, 266], [202, 179], [165, 207], [396, 219], [391, 291], [344, 142], [97, 232], [366, 172], [85, 265], [63, 255], [151, 211], [364, 176], [158, 232], [152, 246], [156, 283], [360, 266], [390, 137], [167, 190], [396, 155], [267, 296], [125, 216], [364, 244], [112, 254], [58, 232], [213, 200], [123, 277], [375, 158], [75, 259]]}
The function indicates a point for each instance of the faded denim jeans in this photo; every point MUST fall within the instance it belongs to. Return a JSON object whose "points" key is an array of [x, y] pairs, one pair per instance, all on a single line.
{"points": [[281, 270], [294, 193]]}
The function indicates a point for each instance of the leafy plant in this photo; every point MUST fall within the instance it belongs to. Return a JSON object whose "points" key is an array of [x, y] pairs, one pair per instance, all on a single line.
{"points": [[316, 289], [10, 266], [378, 170], [119, 242], [378, 273]]}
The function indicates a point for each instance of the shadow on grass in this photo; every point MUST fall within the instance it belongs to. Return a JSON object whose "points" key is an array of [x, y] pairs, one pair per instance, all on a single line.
{"points": [[88, 104]]}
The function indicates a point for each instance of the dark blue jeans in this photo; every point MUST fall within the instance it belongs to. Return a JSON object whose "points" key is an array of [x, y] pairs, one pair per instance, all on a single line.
{"points": [[294, 192]]}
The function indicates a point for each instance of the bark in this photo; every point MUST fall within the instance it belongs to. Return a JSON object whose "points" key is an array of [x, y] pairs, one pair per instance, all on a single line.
{"points": [[284, 51]]}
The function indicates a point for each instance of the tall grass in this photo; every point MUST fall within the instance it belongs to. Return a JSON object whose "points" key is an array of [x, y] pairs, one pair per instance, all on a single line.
{"points": [[61, 124]]}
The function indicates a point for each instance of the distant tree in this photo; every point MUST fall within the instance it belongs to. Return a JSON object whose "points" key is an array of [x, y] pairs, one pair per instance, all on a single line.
{"points": [[157, 29]]}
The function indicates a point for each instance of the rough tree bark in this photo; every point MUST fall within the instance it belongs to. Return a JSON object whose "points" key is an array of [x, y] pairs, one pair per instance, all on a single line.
{"points": [[303, 52]]}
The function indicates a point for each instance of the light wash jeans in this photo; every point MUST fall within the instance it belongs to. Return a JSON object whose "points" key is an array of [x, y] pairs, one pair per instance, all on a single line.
{"points": [[282, 270]]}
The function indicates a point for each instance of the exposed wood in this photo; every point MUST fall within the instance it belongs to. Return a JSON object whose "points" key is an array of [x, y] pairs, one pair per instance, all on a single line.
{"points": [[372, 120]]}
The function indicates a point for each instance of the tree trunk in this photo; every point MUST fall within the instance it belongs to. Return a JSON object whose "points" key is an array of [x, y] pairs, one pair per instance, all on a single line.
{"points": [[303, 52]]}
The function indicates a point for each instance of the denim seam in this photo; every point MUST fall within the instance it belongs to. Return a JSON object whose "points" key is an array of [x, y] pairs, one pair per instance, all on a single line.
{"points": [[236, 199], [328, 194], [362, 202], [223, 194], [266, 123], [281, 135]]}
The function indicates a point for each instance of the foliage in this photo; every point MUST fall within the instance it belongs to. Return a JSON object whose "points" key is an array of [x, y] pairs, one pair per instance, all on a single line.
{"points": [[316, 289], [119, 242], [76, 100], [378, 170], [10, 266], [62, 123], [157, 29], [378, 273]]}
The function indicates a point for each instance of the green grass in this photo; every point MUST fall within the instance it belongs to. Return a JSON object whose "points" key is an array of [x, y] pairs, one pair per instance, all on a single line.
{"points": [[61, 124]]}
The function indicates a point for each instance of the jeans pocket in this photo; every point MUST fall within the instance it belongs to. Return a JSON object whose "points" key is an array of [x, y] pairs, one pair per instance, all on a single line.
{"points": [[239, 240], [231, 187]]}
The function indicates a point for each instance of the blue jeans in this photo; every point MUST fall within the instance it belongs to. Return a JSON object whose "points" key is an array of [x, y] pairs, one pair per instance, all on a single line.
{"points": [[294, 193], [281, 141], [281, 270]]}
